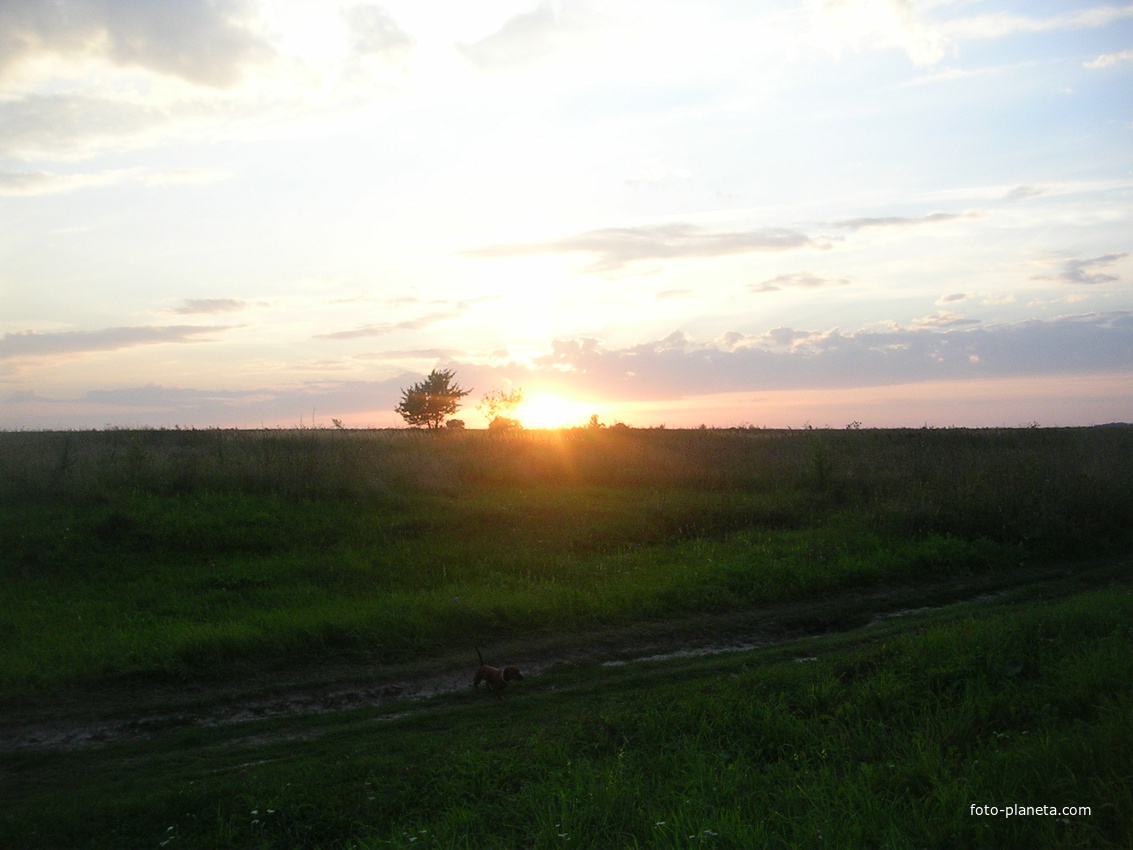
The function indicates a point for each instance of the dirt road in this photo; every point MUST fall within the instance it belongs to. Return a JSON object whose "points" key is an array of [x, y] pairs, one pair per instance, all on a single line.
{"points": [[121, 712]]}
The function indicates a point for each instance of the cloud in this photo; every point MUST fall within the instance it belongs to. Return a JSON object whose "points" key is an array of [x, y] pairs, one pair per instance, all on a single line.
{"points": [[28, 183], [1021, 193], [656, 173], [415, 354], [787, 358], [774, 338], [192, 306], [618, 247], [155, 404], [207, 43], [1006, 24], [899, 221], [675, 366], [385, 328], [666, 294], [952, 298], [1088, 272], [884, 22], [182, 176], [372, 31], [527, 39], [71, 124], [157, 396], [943, 320], [797, 280], [1108, 59], [30, 344], [455, 311]]}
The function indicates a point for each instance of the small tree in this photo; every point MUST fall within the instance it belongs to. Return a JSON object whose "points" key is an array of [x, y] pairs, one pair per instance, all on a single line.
{"points": [[428, 402], [504, 424], [496, 404]]}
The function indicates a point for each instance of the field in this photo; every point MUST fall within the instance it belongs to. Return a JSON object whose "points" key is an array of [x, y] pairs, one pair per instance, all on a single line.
{"points": [[733, 638]]}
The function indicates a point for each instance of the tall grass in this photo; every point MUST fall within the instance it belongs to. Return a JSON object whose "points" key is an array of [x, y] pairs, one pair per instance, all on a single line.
{"points": [[179, 552], [1043, 488]]}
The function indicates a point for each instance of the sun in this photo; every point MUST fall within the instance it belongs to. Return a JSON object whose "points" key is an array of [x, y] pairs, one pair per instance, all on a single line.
{"points": [[550, 411]]}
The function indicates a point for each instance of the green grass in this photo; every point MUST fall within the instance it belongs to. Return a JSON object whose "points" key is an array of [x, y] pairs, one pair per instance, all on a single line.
{"points": [[170, 585], [170, 553], [882, 737], [140, 563]]}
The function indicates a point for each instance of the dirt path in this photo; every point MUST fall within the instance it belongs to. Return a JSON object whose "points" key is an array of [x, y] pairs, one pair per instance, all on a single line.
{"points": [[118, 713]]}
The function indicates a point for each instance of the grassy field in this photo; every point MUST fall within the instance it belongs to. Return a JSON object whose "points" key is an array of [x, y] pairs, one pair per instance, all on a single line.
{"points": [[165, 560]]}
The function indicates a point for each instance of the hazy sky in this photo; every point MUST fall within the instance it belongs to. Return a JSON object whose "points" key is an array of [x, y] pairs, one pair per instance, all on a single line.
{"points": [[246, 212]]}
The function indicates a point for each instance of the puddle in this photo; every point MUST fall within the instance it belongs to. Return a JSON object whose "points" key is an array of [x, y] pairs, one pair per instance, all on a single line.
{"points": [[699, 652]]}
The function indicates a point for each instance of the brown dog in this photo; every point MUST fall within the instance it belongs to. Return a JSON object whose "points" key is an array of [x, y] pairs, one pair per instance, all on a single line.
{"points": [[495, 678]]}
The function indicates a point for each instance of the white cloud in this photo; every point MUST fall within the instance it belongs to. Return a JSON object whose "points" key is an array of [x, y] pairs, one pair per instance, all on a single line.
{"points": [[1006, 24], [942, 320], [207, 43], [374, 32], [428, 320], [194, 306], [952, 298], [440, 354], [73, 124], [884, 23], [15, 345], [618, 247], [1109, 59], [900, 221], [48, 183], [797, 280], [927, 40], [527, 39], [186, 175]]}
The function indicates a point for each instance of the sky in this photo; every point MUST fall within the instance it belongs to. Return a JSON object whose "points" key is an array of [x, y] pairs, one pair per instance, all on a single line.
{"points": [[825, 213]]}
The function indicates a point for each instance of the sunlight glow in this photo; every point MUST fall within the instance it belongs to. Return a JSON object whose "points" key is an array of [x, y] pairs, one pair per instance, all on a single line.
{"points": [[550, 411]]}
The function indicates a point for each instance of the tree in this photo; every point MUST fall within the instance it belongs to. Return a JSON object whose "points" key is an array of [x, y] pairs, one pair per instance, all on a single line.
{"points": [[503, 424], [428, 402], [496, 404]]}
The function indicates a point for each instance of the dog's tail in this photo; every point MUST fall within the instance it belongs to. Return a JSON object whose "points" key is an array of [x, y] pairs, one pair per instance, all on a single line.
{"points": [[481, 657]]}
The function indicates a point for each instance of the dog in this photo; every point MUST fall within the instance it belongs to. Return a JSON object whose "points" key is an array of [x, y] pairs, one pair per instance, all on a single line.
{"points": [[495, 678]]}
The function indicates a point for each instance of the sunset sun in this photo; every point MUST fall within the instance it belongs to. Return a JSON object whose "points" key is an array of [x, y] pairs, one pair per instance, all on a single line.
{"points": [[551, 411]]}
